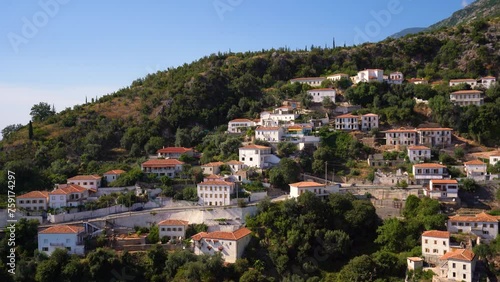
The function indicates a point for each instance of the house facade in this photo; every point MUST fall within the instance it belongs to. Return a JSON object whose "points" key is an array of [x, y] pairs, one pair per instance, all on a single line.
{"points": [[163, 167], [173, 229], [269, 133], [401, 137], [434, 136], [347, 122], [338, 76], [67, 237], [418, 154], [318, 189], [369, 75], [312, 81], [369, 121], [476, 170], [174, 152], [467, 97], [442, 189], [215, 192], [435, 243], [488, 81], [470, 81], [68, 195], [495, 158], [211, 168], [424, 173], [230, 245], [257, 156], [319, 94], [482, 225], [112, 175], [239, 124], [33, 201], [235, 165], [86, 181], [459, 265], [396, 78]]}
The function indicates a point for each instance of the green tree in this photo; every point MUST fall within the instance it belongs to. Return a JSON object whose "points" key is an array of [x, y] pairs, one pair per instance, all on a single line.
{"points": [[285, 149], [41, 111], [469, 185], [154, 143], [154, 235], [30, 131], [9, 130], [286, 172], [361, 268], [391, 235]]}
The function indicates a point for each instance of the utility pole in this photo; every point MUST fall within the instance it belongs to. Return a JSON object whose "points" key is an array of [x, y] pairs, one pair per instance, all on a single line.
{"points": [[326, 172]]}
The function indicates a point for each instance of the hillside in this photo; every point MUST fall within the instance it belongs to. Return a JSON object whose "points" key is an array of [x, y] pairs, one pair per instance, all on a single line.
{"points": [[478, 9], [407, 31], [181, 105]]}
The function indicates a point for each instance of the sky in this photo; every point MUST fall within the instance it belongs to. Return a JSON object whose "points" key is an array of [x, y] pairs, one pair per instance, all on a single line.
{"points": [[61, 51]]}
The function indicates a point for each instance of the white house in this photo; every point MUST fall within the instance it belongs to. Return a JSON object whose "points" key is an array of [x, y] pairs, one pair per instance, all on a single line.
{"points": [[235, 165], [434, 136], [414, 263], [369, 75], [215, 191], [319, 94], [459, 265], [424, 173], [86, 181], [467, 97], [470, 81], [112, 175], [230, 245], [401, 136], [33, 201], [347, 122], [494, 158], [476, 170], [396, 78], [482, 225], [174, 152], [338, 76], [67, 237], [173, 229], [312, 81], [239, 124], [257, 156], [488, 81], [281, 114], [419, 153], [320, 190], [211, 168], [442, 188], [68, 195], [435, 243], [162, 167], [271, 134], [369, 121]]}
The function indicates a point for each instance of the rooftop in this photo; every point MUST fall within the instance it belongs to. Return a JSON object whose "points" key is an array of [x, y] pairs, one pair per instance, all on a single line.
{"points": [[115, 171], [254, 147], [304, 184], [34, 194], [85, 177], [459, 254], [222, 235], [64, 189], [444, 181], [63, 229], [173, 222], [431, 165], [240, 120], [480, 217], [474, 162], [213, 164], [162, 162], [174, 150], [461, 92], [418, 148], [436, 234]]}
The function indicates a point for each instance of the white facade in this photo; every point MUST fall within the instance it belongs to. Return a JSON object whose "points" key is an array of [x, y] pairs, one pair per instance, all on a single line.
{"points": [[318, 95], [459, 265], [86, 181], [435, 243], [173, 229], [320, 190], [281, 114], [442, 188], [434, 136], [482, 225], [369, 121], [257, 156], [112, 175], [488, 81], [312, 81], [396, 78], [230, 245], [215, 192], [235, 166], [476, 170], [237, 125], [33, 201], [469, 81], [174, 152], [271, 134], [62, 237], [494, 159], [418, 154], [425, 172], [68, 195], [211, 168], [338, 76], [369, 75], [163, 167], [401, 137], [347, 122], [467, 97]]}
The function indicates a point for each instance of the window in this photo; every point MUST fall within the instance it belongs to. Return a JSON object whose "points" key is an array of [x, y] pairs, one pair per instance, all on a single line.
{"points": [[486, 232], [465, 276], [426, 250], [169, 229], [68, 248], [491, 225], [444, 243], [464, 267], [435, 251], [60, 198], [251, 159], [453, 265], [40, 201], [28, 201], [45, 249], [426, 241], [163, 229], [21, 201]]}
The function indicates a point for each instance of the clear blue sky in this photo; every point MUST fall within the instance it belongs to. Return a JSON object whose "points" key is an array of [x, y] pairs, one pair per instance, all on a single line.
{"points": [[63, 50]]}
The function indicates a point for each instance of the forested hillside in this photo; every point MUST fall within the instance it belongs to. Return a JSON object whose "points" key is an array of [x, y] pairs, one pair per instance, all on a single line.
{"points": [[478, 9]]}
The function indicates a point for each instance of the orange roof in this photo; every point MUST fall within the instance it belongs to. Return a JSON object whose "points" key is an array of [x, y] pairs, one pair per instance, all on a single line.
{"points": [[234, 162], [474, 162], [240, 120], [34, 194], [444, 181], [370, 115], [436, 234], [173, 222], [174, 150], [85, 177], [213, 164], [433, 165], [480, 217], [255, 147], [461, 92], [63, 229], [215, 182], [268, 128], [415, 259], [463, 80], [115, 171], [213, 176], [489, 77], [305, 184], [459, 254], [222, 235], [434, 129], [64, 189], [418, 148], [401, 130], [347, 116], [162, 163], [320, 89], [307, 78]]}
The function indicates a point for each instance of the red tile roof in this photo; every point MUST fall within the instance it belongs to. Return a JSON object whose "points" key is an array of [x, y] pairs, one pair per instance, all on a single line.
{"points": [[444, 181], [212, 164], [63, 229], [339, 74], [222, 235], [215, 182], [459, 254], [433, 165], [162, 163], [436, 234], [115, 171], [370, 115], [173, 222], [401, 130], [347, 116], [34, 194], [461, 92], [240, 120], [474, 162], [434, 129], [85, 177], [480, 217], [255, 147], [305, 184], [64, 189], [234, 162], [179, 150], [418, 148]]}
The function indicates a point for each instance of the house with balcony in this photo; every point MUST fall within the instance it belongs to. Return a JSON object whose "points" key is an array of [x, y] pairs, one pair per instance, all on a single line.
{"points": [[401, 137], [338, 76], [435, 244], [86, 181], [231, 245], [272, 134], [163, 167], [33, 201], [369, 75], [347, 122], [482, 225], [418, 154], [395, 78], [211, 168], [311, 81], [257, 156], [442, 189], [434, 136], [319, 94], [69, 237], [318, 189], [112, 175], [470, 81], [425, 172], [173, 229], [369, 121], [239, 125], [476, 170], [467, 98], [458, 265], [68, 195], [215, 191], [174, 152]]}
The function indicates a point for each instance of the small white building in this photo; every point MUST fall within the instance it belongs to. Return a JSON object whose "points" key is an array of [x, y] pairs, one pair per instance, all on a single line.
{"points": [[369, 121], [86, 181], [476, 170], [396, 78], [312, 81], [459, 265], [401, 137], [113, 175], [482, 225], [271, 134], [470, 81], [414, 263], [68, 195], [424, 173], [239, 124], [257, 156], [369, 75], [318, 189], [281, 114], [488, 81], [33, 201], [437, 136], [435, 243], [347, 122], [235, 165], [467, 97], [418, 154], [319, 94], [338, 76], [442, 189], [67, 237], [211, 168], [163, 167], [230, 245], [173, 229], [174, 152], [495, 158], [215, 191]]}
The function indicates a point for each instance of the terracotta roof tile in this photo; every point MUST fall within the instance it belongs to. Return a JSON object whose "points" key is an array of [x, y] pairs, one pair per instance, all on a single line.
{"points": [[320, 89], [444, 181], [418, 148], [85, 177], [34, 194], [459, 254], [474, 162], [173, 222], [215, 182], [436, 234], [115, 171], [307, 78], [347, 116], [222, 235], [434, 129], [63, 229], [64, 189], [462, 92], [213, 164], [305, 184], [162, 163], [480, 217], [234, 162], [255, 147], [433, 165], [240, 120], [174, 150]]}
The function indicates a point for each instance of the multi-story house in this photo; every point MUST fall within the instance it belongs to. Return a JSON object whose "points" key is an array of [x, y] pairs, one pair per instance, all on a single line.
{"points": [[467, 97], [239, 124], [401, 137], [482, 225], [312, 81], [211, 168], [369, 75], [230, 245], [281, 114], [112, 175], [396, 78], [419, 153], [319, 94], [68, 195], [476, 170], [424, 173], [470, 81], [162, 167], [442, 189], [271, 134], [488, 81], [435, 243], [338, 76], [347, 122], [86, 181], [434, 136], [459, 265], [33, 201], [257, 156], [69, 237], [369, 121], [215, 191], [173, 229], [174, 152], [320, 190]]}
